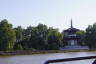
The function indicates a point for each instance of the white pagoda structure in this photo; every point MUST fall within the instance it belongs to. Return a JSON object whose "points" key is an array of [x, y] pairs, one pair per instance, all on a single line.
{"points": [[72, 39]]}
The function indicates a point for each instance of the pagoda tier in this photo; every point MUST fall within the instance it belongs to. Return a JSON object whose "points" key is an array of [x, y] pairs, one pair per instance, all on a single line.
{"points": [[72, 30], [72, 37]]}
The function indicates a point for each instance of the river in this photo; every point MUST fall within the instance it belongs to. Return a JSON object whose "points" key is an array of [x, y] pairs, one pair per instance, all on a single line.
{"points": [[41, 58]]}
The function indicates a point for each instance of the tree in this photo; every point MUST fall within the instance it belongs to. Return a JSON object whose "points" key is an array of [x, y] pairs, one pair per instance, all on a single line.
{"points": [[18, 46], [7, 35], [64, 34], [19, 38], [54, 39], [38, 38], [81, 34], [35, 37], [90, 36], [19, 34], [29, 35]]}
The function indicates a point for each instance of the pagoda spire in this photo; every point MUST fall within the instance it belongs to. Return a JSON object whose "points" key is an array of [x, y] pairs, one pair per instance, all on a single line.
{"points": [[71, 24]]}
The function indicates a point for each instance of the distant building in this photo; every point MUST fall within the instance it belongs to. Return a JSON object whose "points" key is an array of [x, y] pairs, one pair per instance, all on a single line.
{"points": [[72, 39]]}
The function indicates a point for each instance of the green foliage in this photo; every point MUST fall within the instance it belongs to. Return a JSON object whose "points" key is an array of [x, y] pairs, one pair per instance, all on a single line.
{"points": [[18, 47], [19, 33], [7, 35], [63, 38], [81, 34], [90, 37], [54, 39], [40, 37]]}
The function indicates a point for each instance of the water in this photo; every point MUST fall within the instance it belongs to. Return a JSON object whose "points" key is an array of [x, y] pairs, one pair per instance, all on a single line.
{"points": [[41, 58]]}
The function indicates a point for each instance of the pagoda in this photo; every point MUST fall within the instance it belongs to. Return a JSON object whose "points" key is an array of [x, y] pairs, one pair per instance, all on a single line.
{"points": [[71, 37]]}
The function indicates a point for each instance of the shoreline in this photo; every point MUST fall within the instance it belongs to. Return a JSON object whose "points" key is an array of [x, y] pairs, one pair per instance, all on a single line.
{"points": [[29, 52]]}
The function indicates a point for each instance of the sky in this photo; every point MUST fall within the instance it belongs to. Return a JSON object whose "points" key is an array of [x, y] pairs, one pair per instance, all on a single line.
{"points": [[53, 13]]}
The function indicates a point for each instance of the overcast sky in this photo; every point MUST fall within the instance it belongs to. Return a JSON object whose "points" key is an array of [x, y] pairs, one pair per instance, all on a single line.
{"points": [[54, 13]]}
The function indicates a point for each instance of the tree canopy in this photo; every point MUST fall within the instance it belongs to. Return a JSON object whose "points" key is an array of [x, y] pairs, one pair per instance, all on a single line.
{"points": [[7, 35], [40, 37]]}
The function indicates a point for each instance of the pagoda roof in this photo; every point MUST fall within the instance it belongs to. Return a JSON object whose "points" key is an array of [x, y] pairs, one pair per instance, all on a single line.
{"points": [[71, 29], [72, 37]]}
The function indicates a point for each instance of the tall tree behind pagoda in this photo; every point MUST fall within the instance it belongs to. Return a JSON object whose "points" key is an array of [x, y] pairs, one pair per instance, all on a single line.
{"points": [[81, 34]]}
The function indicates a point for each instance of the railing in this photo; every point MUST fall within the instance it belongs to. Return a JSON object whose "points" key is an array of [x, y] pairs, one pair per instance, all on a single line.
{"points": [[71, 59]]}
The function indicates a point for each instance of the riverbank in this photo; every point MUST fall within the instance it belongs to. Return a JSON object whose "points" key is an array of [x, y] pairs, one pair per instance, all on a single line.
{"points": [[29, 52]]}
